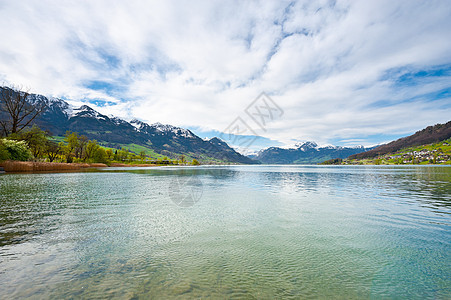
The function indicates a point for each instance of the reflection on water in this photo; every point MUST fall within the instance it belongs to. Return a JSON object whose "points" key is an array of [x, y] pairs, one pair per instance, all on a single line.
{"points": [[256, 232]]}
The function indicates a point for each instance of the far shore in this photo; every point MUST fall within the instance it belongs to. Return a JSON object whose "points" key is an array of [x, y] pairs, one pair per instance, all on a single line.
{"points": [[132, 165], [31, 166]]}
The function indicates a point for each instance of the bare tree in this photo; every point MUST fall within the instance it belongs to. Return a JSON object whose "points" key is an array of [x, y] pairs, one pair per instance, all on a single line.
{"points": [[16, 112]]}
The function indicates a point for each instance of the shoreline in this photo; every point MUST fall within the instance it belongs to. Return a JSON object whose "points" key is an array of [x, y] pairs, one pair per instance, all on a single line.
{"points": [[12, 166], [38, 167], [132, 165], [31, 166]]}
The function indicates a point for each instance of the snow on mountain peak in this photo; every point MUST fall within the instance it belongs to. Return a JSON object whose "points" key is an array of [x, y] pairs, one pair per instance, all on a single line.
{"points": [[163, 128], [136, 121], [86, 111], [85, 108], [137, 124], [169, 128], [116, 120], [309, 144], [304, 146]]}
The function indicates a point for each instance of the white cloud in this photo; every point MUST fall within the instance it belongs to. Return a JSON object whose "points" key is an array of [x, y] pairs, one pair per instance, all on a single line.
{"points": [[332, 66]]}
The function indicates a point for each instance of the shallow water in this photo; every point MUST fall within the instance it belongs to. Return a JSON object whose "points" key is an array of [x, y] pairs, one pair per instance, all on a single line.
{"points": [[247, 232]]}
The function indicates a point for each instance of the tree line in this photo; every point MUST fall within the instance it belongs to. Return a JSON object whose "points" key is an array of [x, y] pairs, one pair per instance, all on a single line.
{"points": [[34, 143]]}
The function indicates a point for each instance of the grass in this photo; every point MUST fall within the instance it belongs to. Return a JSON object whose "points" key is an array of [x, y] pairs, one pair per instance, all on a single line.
{"points": [[57, 138], [137, 149]]}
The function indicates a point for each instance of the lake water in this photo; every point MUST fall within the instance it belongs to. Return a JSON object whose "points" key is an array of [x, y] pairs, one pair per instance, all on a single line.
{"points": [[244, 232]]}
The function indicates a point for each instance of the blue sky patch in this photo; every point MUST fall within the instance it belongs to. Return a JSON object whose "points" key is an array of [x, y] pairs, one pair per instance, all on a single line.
{"points": [[407, 76], [99, 102]]}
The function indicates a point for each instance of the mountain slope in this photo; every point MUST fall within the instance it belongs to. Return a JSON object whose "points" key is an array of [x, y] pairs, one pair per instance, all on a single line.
{"points": [[59, 117], [224, 152], [305, 153], [431, 134]]}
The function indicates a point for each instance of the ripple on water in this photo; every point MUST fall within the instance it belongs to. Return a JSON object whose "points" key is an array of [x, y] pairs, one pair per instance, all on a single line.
{"points": [[257, 232]]}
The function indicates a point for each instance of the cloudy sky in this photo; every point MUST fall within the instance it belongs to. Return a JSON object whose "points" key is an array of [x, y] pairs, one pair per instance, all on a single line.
{"points": [[343, 72]]}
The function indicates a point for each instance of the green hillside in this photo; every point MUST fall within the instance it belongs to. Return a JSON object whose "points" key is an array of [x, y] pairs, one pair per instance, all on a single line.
{"points": [[435, 153]]}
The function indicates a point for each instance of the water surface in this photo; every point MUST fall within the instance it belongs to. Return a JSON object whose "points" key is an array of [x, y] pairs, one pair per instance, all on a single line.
{"points": [[247, 232]]}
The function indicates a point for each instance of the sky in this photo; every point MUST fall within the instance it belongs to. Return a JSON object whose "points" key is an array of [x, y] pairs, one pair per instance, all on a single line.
{"points": [[341, 72]]}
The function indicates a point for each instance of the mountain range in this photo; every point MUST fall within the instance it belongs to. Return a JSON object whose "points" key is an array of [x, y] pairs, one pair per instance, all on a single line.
{"points": [[59, 117], [171, 141], [305, 153]]}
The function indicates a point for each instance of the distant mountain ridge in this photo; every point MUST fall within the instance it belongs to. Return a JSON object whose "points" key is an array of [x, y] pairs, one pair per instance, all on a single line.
{"points": [[431, 134], [59, 117], [306, 153]]}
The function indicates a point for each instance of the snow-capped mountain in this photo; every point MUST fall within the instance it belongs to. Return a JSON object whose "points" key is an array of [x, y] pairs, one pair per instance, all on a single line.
{"points": [[305, 153], [85, 112], [158, 128], [307, 146], [60, 117]]}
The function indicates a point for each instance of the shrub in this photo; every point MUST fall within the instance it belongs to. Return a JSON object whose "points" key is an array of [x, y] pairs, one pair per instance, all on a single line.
{"points": [[18, 150], [4, 154]]}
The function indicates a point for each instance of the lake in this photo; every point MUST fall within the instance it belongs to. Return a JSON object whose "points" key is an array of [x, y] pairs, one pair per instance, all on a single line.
{"points": [[244, 232]]}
